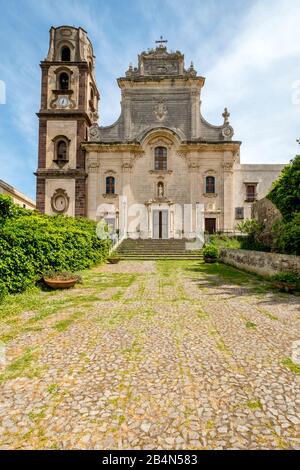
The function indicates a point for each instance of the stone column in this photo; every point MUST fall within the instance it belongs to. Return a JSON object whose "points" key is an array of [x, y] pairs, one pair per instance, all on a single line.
{"points": [[228, 209], [194, 188], [195, 113], [93, 166], [126, 193], [123, 216], [171, 229], [149, 220], [127, 115]]}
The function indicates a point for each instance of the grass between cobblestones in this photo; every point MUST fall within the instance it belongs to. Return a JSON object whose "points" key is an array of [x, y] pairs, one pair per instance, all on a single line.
{"points": [[166, 354]]}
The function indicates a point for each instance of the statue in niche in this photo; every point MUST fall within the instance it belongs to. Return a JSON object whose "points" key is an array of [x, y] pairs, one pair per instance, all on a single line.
{"points": [[160, 189]]}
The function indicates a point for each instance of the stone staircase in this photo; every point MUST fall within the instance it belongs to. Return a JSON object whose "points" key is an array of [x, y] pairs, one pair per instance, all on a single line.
{"points": [[156, 249]]}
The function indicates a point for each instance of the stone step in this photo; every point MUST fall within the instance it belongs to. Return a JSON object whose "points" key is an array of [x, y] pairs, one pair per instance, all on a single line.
{"points": [[156, 249], [153, 258], [135, 250], [153, 247], [160, 255], [186, 253], [155, 242]]}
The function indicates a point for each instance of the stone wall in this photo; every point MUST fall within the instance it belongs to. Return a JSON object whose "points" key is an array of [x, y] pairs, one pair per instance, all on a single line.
{"points": [[266, 264], [267, 214]]}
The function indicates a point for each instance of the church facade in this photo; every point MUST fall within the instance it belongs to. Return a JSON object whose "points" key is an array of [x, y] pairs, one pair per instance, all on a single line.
{"points": [[161, 158]]}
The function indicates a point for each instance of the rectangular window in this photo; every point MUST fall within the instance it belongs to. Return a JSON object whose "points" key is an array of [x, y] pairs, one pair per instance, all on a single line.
{"points": [[160, 158], [250, 192], [110, 185], [210, 184], [160, 164], [239, 212]]}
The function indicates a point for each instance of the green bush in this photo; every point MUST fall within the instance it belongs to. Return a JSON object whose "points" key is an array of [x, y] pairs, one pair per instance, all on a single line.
{"points": [[223, 241], [286, 236], [210, 251], [9, 210], [32, 244], [252, 228], [6, 207], [288, 277], [285, 193], [3, 291], [250, 243]]}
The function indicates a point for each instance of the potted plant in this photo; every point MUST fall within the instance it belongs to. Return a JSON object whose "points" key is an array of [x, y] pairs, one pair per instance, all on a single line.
{"points": [[210, 253], [61, 279], [286, 281], [114, 258]]}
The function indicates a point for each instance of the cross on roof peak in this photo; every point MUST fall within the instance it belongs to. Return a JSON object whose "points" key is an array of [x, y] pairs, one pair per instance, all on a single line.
{"points": [[161, 41]]}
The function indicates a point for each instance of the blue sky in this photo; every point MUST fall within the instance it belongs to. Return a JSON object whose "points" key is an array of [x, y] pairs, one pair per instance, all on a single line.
{"points": [[249, 52]]}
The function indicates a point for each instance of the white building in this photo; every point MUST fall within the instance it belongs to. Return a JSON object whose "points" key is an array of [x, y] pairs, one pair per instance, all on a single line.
{"points": [[161, 153], [17, 197]]}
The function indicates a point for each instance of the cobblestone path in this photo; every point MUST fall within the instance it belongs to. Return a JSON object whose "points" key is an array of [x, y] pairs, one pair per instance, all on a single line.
{"points": [[151, 355]]}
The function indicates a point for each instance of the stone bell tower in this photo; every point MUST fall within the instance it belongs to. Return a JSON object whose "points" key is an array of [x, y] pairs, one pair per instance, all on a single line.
{"points": [[69, 106]]}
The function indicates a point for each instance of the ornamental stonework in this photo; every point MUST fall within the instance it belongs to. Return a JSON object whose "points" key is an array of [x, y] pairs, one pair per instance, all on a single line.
{"points": [[160, 110], [227, 132], [60, 201], [92, 164], [94, 133]]}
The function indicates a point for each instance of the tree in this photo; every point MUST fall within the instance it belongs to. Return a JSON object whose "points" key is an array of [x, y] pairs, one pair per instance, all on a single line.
{"points": [[286, 236], [285, 193], [7, 208]]}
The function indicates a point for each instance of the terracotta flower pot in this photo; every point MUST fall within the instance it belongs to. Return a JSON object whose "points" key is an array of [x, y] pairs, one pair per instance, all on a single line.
{"points": [[113, 260], [285, 286], [60, 283], [210, 260]]}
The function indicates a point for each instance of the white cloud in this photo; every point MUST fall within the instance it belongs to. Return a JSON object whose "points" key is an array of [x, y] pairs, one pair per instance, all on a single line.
{"points": [[254, 77], [249, 54], [248, 51]]}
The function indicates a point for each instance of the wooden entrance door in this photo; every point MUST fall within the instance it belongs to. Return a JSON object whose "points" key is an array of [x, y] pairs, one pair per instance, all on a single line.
{"points": [[160, 224], [210, 225]]}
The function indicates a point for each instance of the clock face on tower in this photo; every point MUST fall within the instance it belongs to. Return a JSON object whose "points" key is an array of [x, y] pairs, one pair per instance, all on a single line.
{"points": [[63, 101]]}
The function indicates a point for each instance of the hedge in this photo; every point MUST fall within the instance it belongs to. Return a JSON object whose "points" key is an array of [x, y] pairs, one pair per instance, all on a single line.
{"points": [[32, 244], [285, 192], [286, 236]]}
